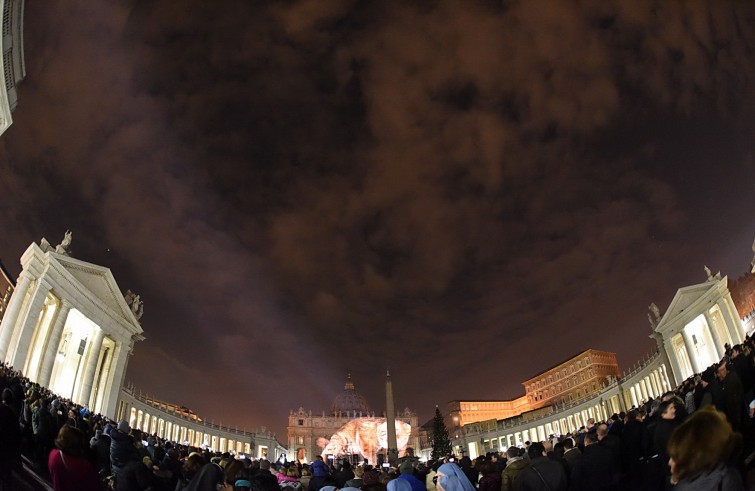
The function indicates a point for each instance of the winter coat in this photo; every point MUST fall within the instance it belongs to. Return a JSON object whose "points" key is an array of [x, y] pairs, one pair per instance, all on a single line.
{"points": [[42, 422], [542, 469], [122, 450], [71, 473], [513, 467], [721, 478], [490, 482], [595, 471]]}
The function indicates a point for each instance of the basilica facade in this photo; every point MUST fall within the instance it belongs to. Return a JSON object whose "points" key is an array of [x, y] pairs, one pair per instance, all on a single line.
{"points": [[333, 434]]}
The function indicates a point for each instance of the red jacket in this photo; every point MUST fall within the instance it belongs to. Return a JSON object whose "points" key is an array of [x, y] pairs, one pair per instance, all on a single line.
{"points": [[71, 473]]}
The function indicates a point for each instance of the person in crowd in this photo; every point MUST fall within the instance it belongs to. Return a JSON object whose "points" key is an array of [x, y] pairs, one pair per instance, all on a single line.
{"points": [[43, 427], [320, 471], [344, 474], [631, 448], [572, 454], [241, 480], [10, 439], [465, 464], [306, 476], [398, 484], [609, 441], [100, 446], [664, 427], [136, 475], [209, 477], [169, 469], [69, 469], [432, 475], [742, 365], [406, 472], [597, 469], [122, 448], [733, 395], [699, 451], [452, 478], [542, 474], [515, 464], [356, 481], [491, 477]]}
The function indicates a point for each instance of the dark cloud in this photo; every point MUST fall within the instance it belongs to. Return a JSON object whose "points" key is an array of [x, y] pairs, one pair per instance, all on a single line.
{"points": [[462, 192]]}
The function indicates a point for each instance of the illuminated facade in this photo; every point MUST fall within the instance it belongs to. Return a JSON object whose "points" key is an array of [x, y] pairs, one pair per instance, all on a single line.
{"points": [[180, 424], [690, 336], [699, 322], [311, 435], [576, 378], [68, 327], [14, 70], [7, 286]]}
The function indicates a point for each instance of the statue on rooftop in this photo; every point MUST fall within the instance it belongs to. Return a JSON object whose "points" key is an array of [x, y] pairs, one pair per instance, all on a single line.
{"points": [[135, 303], [65, 246], [655, 310]]}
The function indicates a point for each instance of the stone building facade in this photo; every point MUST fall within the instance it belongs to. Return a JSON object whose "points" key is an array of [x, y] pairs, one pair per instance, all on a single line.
{"points": [[576, 378], [690, 335], [68, 327], [307, 431]]}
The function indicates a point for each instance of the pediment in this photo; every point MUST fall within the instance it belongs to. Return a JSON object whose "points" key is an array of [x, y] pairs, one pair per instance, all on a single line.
{"points": [[684, 299], [99, 281]]}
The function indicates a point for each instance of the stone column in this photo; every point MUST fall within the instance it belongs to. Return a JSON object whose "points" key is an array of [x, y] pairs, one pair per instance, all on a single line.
{"points": [[51, 349], [714, 334], [691, 351], [85, 393], [676, 371], [11, 313], [29, 321], [730, 319], [118, 370], [657, 380]]}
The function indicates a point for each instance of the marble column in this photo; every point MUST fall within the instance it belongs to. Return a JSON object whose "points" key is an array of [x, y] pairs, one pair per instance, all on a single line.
{"points": [[51, 349], [651, 379], [29, 321], [676, 371], [118, 370], [720, 351], [732, 321], [10, 318], [691, 351], [85, 393]]}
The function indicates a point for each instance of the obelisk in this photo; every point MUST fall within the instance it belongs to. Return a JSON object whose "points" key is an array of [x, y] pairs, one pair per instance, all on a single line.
{"points": [[390, 417]]}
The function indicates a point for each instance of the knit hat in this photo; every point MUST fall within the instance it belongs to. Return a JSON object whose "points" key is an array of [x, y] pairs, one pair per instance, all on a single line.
{"points": [[123, 426], [406, 467]]}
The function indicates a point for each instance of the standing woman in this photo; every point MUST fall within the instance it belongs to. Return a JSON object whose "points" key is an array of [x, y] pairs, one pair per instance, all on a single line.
{"points": [[699, 451], [69, 469]]}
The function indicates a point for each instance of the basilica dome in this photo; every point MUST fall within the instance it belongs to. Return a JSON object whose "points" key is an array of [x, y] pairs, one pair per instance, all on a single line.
{"points": [[349, 400]]}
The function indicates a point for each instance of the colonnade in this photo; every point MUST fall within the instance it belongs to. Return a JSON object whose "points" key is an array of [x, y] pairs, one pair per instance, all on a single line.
{"points": [[182, 432], [650, 379], [177, 424]]}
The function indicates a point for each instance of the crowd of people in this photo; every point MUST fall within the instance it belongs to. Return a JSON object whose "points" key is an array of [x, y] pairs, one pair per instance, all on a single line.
{"points": [[697, 437]]}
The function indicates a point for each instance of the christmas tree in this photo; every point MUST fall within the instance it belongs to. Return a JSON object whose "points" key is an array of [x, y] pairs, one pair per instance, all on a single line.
{"points": [[441, 441]]}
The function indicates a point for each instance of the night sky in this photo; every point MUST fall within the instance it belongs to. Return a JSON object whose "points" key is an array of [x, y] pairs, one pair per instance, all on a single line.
{"points": [[463, 192]]}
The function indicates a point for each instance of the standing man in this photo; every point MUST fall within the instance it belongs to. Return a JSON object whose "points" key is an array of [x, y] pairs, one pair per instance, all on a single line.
{"points": [[733, 395]]}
